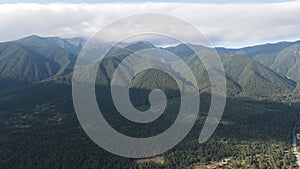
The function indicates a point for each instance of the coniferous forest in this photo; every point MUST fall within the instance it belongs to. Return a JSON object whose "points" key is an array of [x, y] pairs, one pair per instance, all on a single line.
{"points": [[39, 127]]}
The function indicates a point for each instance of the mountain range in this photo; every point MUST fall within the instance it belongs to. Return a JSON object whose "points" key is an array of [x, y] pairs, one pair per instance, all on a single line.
{"points": [[269, 71]]}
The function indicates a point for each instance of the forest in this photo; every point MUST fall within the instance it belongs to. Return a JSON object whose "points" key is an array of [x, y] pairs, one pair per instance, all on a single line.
{"points": [[43, 132]]}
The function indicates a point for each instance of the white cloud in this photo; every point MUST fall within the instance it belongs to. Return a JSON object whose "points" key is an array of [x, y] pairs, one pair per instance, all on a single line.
{"points": [[224, 24]]}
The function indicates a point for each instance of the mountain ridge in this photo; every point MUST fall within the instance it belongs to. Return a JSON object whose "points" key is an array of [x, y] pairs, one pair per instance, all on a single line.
{"points": [[35, 59]]}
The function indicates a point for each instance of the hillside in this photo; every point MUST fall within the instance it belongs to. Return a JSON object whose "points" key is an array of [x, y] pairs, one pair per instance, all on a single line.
{"points": [[287, 62], [246, 78], [264, 53], [282, 57], [40, 129], [34, 59]]}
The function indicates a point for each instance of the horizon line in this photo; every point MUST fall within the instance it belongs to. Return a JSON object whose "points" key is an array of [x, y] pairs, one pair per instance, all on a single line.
{"points": [[167, 45]]}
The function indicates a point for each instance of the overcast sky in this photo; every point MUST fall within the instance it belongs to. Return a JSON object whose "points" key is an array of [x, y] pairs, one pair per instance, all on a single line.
{"points": [[230, 25]]}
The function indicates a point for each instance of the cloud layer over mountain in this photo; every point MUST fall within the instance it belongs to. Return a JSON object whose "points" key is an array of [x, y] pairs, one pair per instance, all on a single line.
{"points": [[228, 25]]}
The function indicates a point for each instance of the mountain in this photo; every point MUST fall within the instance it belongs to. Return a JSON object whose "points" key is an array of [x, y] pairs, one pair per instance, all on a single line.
{"points": [[140, 45], [71, 45], [245, 77], [181, 50], [282, 57], [22, 65], [40, 128], [265, 53], [287, 62], [184, 50], [255, 79], [35, 59]]}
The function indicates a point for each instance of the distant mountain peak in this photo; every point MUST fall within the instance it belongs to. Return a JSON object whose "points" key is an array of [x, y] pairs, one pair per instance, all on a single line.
{"points": [[140, 45], [145, 43], [31, 37], [72, 45]]}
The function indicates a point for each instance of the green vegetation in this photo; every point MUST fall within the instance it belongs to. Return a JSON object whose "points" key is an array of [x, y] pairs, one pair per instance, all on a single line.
{"points": [[43, 132], [39, 128]]}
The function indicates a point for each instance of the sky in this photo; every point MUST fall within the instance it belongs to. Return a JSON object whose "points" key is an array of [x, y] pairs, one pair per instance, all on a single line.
{"points": [[109, 1], [231, 24]]}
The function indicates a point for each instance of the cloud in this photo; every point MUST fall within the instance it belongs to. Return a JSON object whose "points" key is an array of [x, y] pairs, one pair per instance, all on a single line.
{"points": [[225, 24]]}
